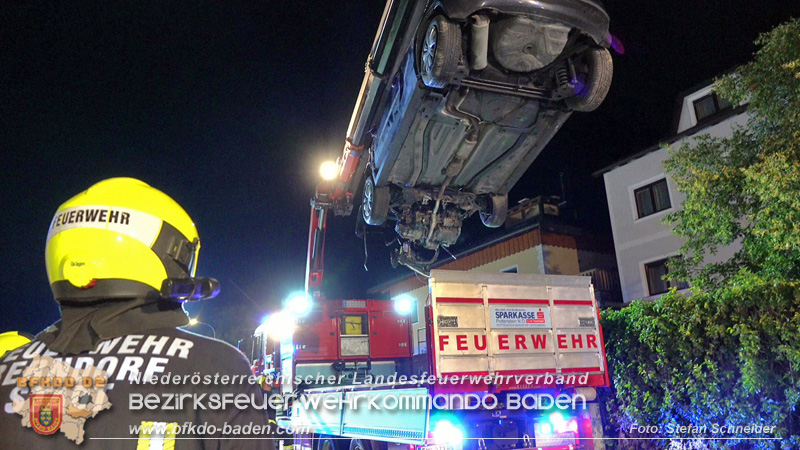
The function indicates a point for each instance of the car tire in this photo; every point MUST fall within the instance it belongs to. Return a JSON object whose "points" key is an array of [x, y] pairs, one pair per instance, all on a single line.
{"points": [[326, 442], [360, 444], [360, 223], [439, 52], [595, 70], [496, 211], [375, 203]]}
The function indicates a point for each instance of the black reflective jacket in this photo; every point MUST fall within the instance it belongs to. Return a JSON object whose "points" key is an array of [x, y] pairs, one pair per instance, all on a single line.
{"points": [[165, 389]]}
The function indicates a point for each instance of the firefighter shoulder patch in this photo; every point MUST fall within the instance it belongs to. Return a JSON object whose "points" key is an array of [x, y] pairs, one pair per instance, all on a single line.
{"points": [[62, 398], [46, 412]]}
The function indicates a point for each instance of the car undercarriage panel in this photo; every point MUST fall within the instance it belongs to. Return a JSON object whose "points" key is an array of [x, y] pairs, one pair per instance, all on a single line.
{"points": [[416, 148], [450, 135]]}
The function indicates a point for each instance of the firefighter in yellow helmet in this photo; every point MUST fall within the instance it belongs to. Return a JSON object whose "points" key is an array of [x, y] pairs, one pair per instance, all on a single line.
{"points": [[121, 259], [11, 340]]}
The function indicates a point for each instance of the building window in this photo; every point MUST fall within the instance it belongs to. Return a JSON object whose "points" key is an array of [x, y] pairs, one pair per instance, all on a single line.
{"points": [[512, 269], [422, 341], [652, 198], [656, 284], [708, 105]]}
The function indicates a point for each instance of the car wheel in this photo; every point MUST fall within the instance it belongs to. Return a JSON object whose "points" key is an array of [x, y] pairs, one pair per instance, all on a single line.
{"points": [[440, 52], [360, 223], [360, 444], [496, 211], [326, 443], [375, 203], [594, 72]]}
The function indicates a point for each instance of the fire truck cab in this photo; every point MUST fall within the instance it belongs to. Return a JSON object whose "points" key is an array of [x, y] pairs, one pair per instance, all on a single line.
{"points": [[340, 340]]}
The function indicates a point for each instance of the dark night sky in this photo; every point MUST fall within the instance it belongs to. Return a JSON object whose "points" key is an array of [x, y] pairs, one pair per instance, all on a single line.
{"points": [[229, 107]]}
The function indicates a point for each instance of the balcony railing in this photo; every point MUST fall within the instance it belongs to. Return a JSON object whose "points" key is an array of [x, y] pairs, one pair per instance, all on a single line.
{"points": [[606, 286]]}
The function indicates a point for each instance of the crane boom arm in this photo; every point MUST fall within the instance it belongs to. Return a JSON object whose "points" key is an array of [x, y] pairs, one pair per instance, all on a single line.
{"points": [[336, 194]]}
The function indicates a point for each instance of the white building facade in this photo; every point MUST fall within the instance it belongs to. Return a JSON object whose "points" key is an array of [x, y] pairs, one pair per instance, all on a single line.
{"points": [[641, 194]]}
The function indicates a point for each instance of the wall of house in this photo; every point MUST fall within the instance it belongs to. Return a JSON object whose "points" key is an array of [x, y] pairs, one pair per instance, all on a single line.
{"points": [[526, 261], [638, 241], [560, 260]]}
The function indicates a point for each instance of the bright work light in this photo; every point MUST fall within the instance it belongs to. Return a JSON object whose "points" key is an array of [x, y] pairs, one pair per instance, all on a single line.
{"points": [[298, 304], [329, 170]]}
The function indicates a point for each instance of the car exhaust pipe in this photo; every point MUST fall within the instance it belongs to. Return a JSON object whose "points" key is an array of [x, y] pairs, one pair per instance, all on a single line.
{"points": [[479, 48], [465, 149]]}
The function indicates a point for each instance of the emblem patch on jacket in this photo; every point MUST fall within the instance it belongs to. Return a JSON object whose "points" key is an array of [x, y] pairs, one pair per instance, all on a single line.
{"points": [[46, 412]]}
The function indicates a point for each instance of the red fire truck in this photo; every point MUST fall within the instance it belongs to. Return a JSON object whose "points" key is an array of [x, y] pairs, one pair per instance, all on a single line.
{"points": [[511, 361]]}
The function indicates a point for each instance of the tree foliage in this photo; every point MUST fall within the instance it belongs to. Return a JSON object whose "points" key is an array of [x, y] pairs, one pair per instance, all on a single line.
{"points": [[745, 188], [728, 354], [729, 357]]}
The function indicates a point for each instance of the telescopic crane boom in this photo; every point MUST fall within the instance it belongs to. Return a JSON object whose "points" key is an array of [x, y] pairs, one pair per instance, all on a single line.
{"points": [[335, 194]]}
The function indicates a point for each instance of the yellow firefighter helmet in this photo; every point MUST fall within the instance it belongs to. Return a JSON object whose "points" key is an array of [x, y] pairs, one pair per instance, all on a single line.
{"points": [[11, 340], [121, 238]]}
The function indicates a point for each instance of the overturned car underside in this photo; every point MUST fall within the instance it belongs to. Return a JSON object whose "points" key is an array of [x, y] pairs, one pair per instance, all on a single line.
{"points": [[470, 106]]}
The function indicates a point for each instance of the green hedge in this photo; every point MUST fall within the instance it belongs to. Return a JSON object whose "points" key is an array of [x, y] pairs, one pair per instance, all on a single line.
{"points": [[731, 357]]}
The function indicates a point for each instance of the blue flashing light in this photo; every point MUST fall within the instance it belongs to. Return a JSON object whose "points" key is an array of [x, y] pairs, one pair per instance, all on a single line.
{"points": [[263, 327], [561, 425], [404, 304], [572, 425], [546, 428], [446, 433]]}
